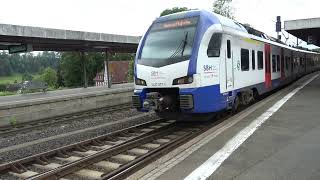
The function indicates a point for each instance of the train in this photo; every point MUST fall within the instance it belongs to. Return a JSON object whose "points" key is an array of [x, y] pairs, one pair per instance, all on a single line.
{"points": [[198, 63]]}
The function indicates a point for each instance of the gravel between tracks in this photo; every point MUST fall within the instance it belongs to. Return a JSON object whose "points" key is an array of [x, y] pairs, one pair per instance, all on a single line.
{"points": [[65, 127], [117, 120]]}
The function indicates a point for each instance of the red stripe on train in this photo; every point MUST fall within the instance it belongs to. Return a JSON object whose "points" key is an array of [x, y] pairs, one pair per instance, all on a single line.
{"points": [[268, 83]]}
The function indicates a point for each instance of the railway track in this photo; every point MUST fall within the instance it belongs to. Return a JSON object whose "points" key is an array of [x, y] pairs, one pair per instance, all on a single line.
{"points": [[20, 128], [112, 156]]}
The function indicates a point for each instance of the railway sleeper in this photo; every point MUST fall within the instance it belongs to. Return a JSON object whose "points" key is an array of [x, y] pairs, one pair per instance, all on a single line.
{"points": [[162, 141], [81, 148], [145, 130], [151, 146], [47, 166], [42, 160], [138, 151], [123, 158], [18, 168], [24, 175], [89, 174], [63, 154], [107, 165], [86, 153], [97, 142], [68, 159], [107, 146]]}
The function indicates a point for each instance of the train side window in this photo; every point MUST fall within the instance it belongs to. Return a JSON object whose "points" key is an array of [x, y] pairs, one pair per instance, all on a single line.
{"points": [[274, 64], [278, 63], [260, 60], [287, 62], [244, 59], [253, 55], [214, 45], [228, 49]]}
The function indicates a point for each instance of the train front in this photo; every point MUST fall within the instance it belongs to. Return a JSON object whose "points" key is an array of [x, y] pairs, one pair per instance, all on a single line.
{"points": [[165, 64]]}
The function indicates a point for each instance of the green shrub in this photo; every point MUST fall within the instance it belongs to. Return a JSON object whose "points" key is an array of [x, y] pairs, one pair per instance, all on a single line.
{"points": [[27, 77], [130, 71], [13, 121], [3, 87]]}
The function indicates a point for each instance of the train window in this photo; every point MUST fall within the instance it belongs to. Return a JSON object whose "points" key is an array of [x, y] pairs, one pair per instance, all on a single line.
{"points": [[260, 60], [278, 63], [253, 55], [214, 45], [274, 64], [244, 59], [287, 62], [229, 49]]}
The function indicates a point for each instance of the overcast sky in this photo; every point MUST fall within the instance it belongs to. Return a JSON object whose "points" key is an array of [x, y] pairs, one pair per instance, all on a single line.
{"points": [[132, 17]]}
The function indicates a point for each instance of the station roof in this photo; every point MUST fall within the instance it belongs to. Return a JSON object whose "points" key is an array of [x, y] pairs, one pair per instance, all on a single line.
{"points": [[46, 39], [305, 29]]}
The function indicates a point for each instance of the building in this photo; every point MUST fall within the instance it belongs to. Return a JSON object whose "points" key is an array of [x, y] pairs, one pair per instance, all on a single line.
{"points": [[118, 71]]}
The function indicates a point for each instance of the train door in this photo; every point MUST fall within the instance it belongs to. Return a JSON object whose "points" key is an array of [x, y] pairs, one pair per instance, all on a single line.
{"points": [[268, 82], [305, 63], [282, 69], [229, 64], [292, 66]]}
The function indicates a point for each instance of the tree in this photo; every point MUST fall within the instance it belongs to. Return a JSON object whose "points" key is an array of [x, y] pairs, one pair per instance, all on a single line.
{"points": [[71, 69], [131, 71], [173, 10], [223, 8], [26, 62], [49, 76], [95, 63], [60, 82], [27, 77]]}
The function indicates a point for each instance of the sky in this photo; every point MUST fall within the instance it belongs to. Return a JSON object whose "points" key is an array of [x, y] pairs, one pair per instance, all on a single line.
{"points": [[133, 17]]}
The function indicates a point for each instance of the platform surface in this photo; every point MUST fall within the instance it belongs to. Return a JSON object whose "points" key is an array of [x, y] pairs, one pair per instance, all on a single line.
{"points": [[23, 98], [285, 146]]}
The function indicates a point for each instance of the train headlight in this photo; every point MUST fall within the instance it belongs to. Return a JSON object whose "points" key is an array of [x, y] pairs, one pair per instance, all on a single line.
{"points": [[183, 80], [140, 82]]}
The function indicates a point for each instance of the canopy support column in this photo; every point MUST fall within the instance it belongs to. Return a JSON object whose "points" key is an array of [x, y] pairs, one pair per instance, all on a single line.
{"points": [[106, 69], [84, 65]]}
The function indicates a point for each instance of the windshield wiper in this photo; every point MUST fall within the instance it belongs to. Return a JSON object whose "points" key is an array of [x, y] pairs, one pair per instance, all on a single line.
{"points": [[185, 42], [181, 47]]}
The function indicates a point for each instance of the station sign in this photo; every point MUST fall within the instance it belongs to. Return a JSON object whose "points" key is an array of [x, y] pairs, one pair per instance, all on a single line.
{"points": [[20, 48], [310, 40]]}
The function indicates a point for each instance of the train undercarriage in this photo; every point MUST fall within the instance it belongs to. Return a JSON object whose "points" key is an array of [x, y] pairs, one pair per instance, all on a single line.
{"points": [[169, 104]]}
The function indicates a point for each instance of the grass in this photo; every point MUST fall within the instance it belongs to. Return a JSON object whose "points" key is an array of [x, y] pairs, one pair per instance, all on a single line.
{"points": [[7, 93], [10, 79], [18, 77]]}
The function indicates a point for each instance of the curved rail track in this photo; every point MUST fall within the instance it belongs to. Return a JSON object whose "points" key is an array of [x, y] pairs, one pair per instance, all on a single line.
{"points": [[112, 156], [6, 131]]}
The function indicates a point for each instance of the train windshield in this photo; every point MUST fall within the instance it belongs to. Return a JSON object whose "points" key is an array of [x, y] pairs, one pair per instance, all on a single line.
{"points": [[169, 42]]}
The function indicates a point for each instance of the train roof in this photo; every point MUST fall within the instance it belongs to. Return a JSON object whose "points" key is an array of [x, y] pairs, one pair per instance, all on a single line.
{"points": [[231, 26]]}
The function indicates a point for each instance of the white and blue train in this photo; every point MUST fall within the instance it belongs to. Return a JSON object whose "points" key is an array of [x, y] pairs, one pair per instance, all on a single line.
{"points": [[198, 62]]}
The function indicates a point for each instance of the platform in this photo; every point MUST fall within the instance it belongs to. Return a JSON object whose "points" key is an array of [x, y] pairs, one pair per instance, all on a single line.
{"points": [[76, 92], [29, 107], [276, 138]]}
